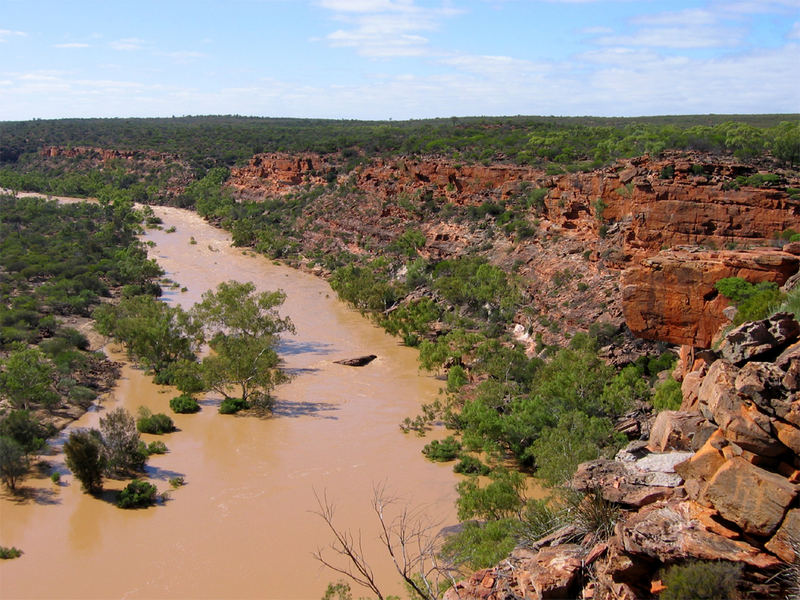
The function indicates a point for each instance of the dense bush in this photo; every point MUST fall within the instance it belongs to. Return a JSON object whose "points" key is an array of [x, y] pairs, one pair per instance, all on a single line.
{"points": [[701, 580], [229, 406], [752, 301], [137, 494], [668, 395], [469, 465], [184, 404], [158, 423], [442, 450], [12, 552]]}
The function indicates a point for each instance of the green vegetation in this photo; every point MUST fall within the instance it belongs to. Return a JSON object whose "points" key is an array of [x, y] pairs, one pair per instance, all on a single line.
{"points": [[752, 301], [137, 494], [668, 395], [184, 404], [217, 141], [442, 450], [244, 329], [12, 552], [13, 462], [158, 423], [121, 443], [703, 580], [86, 459]]}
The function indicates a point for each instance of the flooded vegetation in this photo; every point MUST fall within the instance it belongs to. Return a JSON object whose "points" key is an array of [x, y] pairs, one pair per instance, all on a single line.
{"points": [[243, 523]]}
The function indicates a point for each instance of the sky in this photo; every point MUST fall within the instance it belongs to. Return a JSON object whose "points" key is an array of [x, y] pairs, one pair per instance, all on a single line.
{"points": [[397, 59]]}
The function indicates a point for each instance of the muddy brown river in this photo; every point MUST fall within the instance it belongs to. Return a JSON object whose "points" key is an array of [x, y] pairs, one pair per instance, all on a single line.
{"points": [[242, 526]]}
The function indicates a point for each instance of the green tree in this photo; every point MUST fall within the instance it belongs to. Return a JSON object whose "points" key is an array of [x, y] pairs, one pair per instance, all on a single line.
{"points": [[502, 497], [577, 438], [24, 429], [26, 379], [244, 327], [121, 442], [156, 333], [85, 457], [13, 462]]}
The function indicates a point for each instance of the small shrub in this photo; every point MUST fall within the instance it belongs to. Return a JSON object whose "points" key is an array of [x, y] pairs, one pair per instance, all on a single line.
{"points": [[667, 172], [593, 514], [668, 396], [469, 465], [153, 423], [11, 552], [55, 476], [137, 494], [157, 447], [184, 404], [176, 482], [231, 406], [702, 580], [442, 451]]}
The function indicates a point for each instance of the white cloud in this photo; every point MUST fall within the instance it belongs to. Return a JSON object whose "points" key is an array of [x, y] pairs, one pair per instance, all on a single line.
{"points": [[384, 28], [689, 17], [128, 44], [677, 37], [71, 45], [5, 34]]}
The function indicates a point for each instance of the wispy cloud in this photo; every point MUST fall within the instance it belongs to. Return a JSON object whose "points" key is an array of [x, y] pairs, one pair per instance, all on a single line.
{"points": [[794, 34], [5, 34], [384, 28], [128, 44], [71, 45]]}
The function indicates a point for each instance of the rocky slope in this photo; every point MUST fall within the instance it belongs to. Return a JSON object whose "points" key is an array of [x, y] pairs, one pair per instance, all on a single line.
{"points": [[717, 480], [571, 241]]}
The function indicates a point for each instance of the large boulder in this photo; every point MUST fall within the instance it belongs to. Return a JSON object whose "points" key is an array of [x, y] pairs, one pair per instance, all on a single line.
{"points": [[674, 430], [756, 338], [785, 544], [552, 572], [633, 483], [753, 498], [667, 533]]}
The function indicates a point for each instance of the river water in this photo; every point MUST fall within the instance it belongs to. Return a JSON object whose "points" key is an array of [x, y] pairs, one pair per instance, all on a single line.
{"points": [[243, 525]]}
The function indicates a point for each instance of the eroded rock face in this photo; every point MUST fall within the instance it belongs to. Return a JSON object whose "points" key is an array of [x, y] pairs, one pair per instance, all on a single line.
{"points": [[751, 497], [671, 296]]}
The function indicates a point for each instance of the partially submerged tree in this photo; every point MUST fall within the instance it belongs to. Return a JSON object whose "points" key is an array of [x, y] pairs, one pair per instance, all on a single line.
{"points": [[121, 443], [85, 457], [244, 329], [13, 462]]}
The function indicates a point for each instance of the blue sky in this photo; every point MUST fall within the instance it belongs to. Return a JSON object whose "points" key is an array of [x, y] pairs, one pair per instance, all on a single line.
{"points": [[399, 59]]}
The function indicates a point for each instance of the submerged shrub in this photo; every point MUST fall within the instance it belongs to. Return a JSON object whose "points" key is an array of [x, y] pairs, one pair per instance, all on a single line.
{"points": [[469, 465], [157, 447], [11, 552], [184, 404], [137, 494], [153, 423], [444, 450], [230, 406]]}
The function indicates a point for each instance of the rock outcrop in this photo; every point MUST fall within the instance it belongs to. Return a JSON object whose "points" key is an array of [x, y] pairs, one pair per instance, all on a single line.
{"points": [[671, 296]]}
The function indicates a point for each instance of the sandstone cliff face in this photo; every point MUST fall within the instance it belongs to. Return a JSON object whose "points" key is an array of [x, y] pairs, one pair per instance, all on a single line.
{"points": [[671, 296], [591, 227]]}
